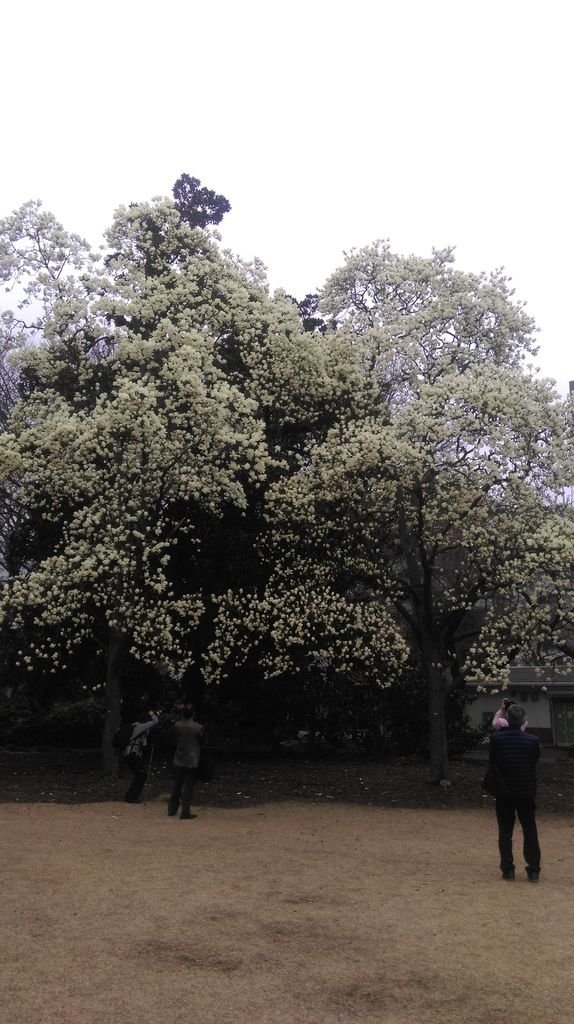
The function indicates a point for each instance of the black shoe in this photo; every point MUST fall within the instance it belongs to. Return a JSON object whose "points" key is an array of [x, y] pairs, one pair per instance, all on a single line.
{"points": [[187, 817], [508, 875], [533, 874]]}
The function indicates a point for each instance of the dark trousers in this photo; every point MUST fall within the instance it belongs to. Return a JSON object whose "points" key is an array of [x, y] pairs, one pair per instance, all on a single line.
{"points": [[183, 787], [138, 768], [506, 810]]}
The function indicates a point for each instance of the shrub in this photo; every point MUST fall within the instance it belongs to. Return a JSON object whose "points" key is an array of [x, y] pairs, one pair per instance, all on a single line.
{"points": [[76, 723]]}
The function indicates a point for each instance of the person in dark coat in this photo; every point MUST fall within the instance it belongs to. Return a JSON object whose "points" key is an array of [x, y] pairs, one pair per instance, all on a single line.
{"points": [[188, 741], [515, 755]]}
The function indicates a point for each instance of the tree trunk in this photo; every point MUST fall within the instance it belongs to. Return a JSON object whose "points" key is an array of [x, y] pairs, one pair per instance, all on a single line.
{"points": [[437, 728], [116, 649]]}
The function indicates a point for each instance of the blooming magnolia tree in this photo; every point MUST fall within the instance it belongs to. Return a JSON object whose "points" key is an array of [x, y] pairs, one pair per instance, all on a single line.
{"points": [[163, 391], [438, 503]]}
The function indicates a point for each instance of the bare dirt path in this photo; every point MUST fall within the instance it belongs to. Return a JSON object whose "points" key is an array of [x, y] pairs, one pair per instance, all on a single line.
{"points": [[276, 914]]}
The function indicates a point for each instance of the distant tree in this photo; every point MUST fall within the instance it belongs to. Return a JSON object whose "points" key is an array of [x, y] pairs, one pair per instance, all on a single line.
{"points": [[8, 398], [198, 206], [309, 310], [8, 386]]}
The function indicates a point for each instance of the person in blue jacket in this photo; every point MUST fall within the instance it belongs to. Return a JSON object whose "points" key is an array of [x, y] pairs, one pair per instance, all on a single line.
{"points": [[515, 754]]}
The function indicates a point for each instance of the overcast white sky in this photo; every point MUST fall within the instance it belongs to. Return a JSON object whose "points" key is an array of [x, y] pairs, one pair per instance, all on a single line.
{"points": [[327, 125]]}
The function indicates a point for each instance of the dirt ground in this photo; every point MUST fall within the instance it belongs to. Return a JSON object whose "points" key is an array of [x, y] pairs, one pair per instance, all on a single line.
{"points": [[330, 908]]}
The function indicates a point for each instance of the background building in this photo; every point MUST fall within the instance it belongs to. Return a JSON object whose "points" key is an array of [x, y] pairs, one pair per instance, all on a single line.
{"points": [[547, 696]]}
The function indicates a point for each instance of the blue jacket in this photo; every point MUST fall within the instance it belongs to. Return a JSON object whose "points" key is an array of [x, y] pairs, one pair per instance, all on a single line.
{"points": [[515, 753]]}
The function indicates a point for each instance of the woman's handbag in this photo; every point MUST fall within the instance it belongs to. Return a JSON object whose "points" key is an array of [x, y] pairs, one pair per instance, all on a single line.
{"points": [[206, 767]]}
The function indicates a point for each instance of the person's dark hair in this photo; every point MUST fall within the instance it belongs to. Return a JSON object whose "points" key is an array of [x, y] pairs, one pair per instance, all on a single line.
{"points": [[188, 711], [515, 715]]}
